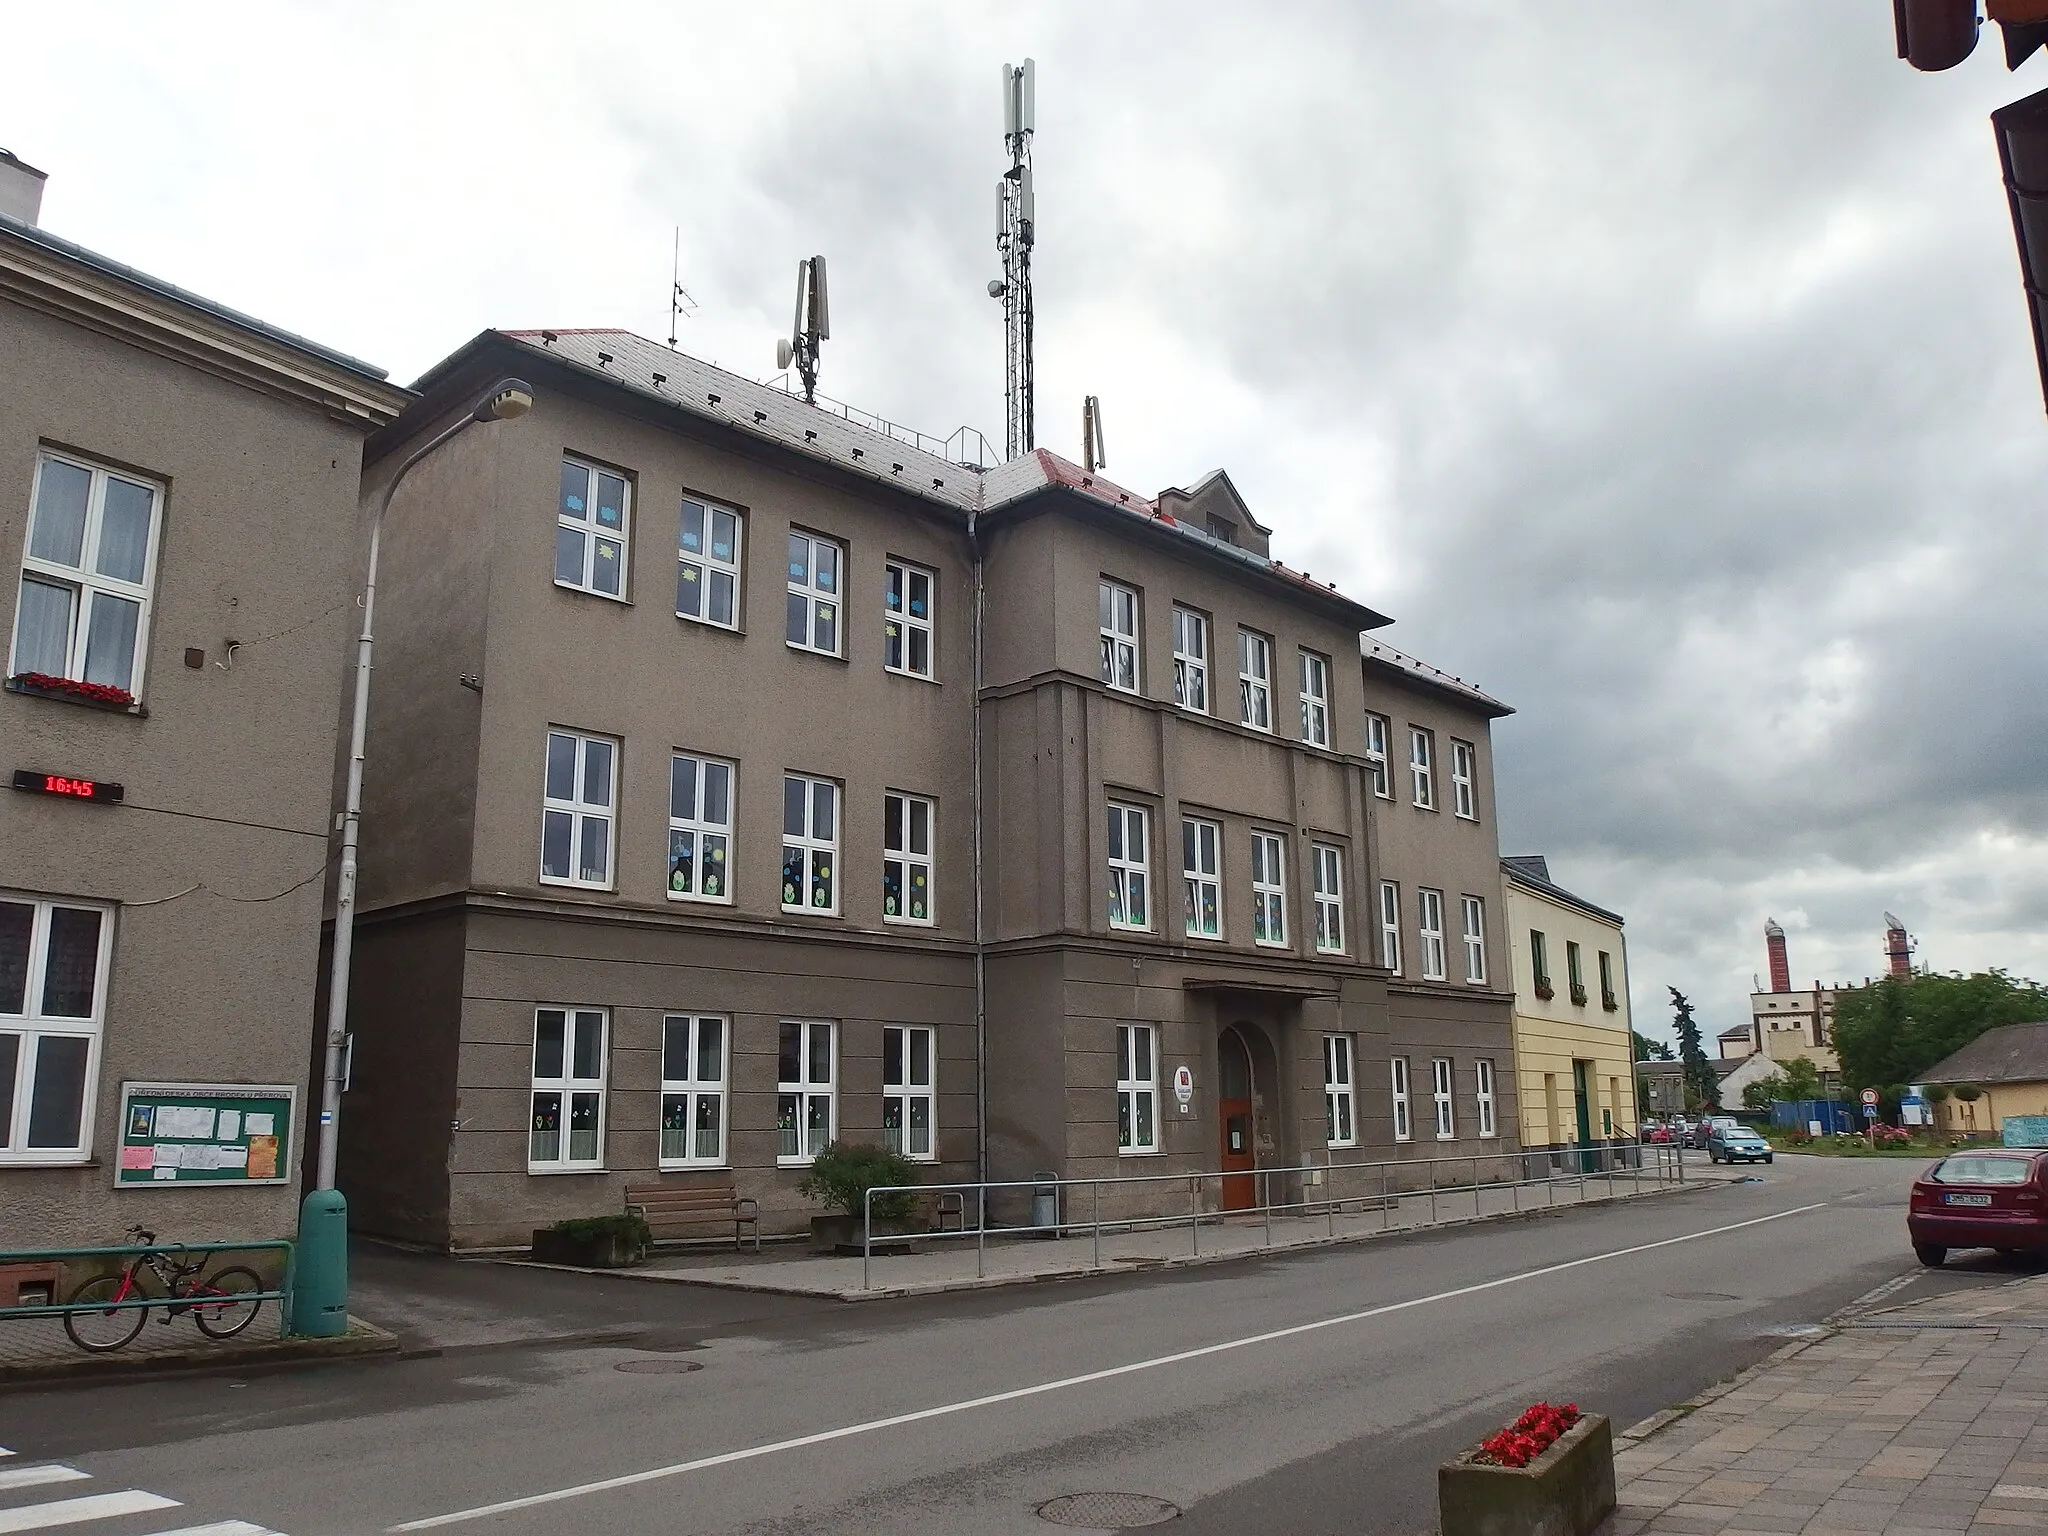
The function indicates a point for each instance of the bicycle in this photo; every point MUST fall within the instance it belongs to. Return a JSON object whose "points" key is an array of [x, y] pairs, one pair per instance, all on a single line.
{"points": [[222, 1305]]}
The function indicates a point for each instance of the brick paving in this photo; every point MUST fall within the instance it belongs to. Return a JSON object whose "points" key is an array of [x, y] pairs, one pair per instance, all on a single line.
{"points": [[38, 1349], [1919, 1420]]}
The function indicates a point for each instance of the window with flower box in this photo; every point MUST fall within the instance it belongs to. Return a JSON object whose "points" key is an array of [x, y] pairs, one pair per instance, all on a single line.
{"points": [[1315, 699], [699, 828], [87, 572], [567, 1134], [591, 529], [810, 845], [1118, 612], [1201, 858], [1340, 1117], [1329, 892], [806, 1093], [1190, 660], [907, 858], [576, 810], [708, 564], [1130, 869], [1137, 1089], [909, 1092], [54, 959], [816, 567], [1254, 680], [693, 1047], [1269, 891], [907, 619]]}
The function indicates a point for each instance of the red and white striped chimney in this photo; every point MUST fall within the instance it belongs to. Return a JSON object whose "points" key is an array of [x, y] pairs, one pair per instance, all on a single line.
{"points": [[1781, 968], [1898, 948]]}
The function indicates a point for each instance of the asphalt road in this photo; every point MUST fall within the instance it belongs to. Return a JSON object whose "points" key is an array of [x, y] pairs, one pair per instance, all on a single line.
{"points": [[1310, 1393]]}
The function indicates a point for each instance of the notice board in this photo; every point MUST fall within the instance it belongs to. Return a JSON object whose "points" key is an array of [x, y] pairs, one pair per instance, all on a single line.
{"points": [[206, 1133], [2025, 1131]]}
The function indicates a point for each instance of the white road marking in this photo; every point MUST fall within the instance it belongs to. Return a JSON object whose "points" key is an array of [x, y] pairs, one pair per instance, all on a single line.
{"points": [[219, 1528], [654, 1474], [30, 1477], [2018, 1491], [97, 1506]]}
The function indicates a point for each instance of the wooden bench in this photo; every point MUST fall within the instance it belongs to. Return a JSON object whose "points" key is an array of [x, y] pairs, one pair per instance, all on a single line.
{"points": [[666, 1206]]}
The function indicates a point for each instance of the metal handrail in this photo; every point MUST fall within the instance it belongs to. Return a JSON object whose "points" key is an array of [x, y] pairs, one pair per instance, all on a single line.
{"points": [[282, 1295]]}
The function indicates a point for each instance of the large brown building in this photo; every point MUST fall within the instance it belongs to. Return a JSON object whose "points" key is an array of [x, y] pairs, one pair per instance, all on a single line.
{"points": [[699, 830], [178, 489]]}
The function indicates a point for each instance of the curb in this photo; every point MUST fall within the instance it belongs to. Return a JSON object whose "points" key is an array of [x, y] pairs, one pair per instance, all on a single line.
{"points": [[364, 1340]]}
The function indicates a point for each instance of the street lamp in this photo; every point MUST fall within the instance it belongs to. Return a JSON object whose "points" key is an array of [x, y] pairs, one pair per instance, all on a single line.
{"points": [[320, 1293]]}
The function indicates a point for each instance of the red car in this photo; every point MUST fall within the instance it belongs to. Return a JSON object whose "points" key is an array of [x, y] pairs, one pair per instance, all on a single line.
{"points": [[1987, 1199]]}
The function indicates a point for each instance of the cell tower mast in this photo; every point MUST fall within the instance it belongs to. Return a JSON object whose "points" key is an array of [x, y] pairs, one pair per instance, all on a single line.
{"points": [[1015, 216]]}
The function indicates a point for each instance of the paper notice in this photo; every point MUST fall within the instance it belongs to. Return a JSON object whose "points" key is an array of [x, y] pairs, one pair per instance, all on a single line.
{"points": [[172, 1158], [263, 1156], [136, 1159], [230, 1127], [165, 1173], [184, 1122], [201, 1159], [230, 1157], [261, 1125]]}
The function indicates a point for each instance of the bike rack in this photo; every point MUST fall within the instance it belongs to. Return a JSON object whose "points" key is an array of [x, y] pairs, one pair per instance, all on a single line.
{"points": [[282, 1296]]}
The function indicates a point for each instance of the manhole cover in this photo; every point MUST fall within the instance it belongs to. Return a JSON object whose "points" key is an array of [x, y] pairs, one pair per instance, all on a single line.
{"points": [[658, 1367], [1107, 1511]]}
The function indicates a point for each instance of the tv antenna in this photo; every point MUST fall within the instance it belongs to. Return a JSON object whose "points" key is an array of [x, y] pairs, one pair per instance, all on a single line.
{"points": [[1093, 455], [1015, 217], [680, 305], [812, 325]]}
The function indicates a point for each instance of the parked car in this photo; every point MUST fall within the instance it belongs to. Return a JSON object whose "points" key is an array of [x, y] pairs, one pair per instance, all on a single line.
{"points": [[1989, 1199], [1662, 1135], [1697, 1137], [1737, 1144]]}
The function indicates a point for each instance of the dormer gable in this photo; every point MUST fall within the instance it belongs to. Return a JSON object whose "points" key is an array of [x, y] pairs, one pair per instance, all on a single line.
{"points": [[1214, 506]]}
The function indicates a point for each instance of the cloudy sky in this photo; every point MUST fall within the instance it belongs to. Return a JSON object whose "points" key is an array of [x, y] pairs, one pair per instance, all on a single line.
{"points": [[1663, 368]]}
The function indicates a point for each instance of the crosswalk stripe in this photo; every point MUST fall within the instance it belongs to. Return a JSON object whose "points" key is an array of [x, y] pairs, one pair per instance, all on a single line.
{"points": [[219, 1528], [97, 1506], [4, 1451], [30, 1477]]}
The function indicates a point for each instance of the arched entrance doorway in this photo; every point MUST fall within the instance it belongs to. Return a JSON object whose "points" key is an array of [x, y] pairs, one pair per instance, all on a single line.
{"points": [[1239, 1153]]}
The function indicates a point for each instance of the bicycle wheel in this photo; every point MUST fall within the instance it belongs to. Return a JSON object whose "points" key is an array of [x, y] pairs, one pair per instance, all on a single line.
{"points": [[225, 1302], [110, 1329]]}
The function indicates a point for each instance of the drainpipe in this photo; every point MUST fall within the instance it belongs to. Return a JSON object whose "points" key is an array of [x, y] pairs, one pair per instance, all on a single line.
{"points": [[980, 936]]}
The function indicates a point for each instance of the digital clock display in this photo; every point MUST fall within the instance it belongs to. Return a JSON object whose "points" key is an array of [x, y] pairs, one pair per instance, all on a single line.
{"points": [[35, 782]]}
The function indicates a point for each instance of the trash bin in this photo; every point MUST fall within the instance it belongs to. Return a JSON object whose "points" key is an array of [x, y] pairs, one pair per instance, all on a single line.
{"points": [[1045, 1201]]}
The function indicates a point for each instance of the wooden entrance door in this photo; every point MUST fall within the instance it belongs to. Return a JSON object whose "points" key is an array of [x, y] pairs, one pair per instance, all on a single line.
{"points": [[1237, 1157]]}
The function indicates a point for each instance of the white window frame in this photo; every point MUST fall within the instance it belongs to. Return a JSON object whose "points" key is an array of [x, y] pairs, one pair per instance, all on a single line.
{"points": [[823, 602], [1269, 890], [1397, 1082], [686, 1097], [84, 581], [702, 568], [1130, 876], [1473, 916], [1328, 860], [710, 841], [1190, 660], [1464, 775], [796, 1098], [581, 811], [1201, 859], [1390, 926], [568, 1085], [1117, 613], [1254, 680], [34, 1024], [1442, 1082], [906, 1095], [1315, 699], [1340, 1101], [904, 861], [1482, 1098], [1422, 767], [1377, 732], [593, 533], [902, 622], [817, 852], [1429, 930], [1137, 1089]]}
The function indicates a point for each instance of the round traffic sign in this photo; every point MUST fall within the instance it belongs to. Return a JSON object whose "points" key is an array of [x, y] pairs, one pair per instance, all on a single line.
{"points": [[1870, 1095]]}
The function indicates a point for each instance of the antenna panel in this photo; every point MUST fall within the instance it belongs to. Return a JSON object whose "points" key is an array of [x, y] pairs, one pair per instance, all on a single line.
{"points": [[796, 325], [821, 305], [1026, 204], [1027, 98], [1009, 100]]}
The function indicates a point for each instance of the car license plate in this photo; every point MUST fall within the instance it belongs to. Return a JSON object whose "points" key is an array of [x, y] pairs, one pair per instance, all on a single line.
{"points": [[1966, 1199]]}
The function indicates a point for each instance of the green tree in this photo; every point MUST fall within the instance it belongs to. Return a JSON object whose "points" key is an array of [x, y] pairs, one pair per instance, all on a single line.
{"points": [[1650, 1050], [1701, 1081], [1795, 1080], [1893, 1030]]}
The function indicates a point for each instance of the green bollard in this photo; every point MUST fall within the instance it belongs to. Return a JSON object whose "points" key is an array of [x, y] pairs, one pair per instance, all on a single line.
{"points": [[320, 1273]]}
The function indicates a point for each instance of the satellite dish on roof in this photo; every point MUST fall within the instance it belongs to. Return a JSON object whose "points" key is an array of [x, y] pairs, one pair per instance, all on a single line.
{"points": [[782, 354]]}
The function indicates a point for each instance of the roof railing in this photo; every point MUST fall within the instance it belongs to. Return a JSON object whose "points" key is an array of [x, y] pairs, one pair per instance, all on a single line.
{"points": [[972, 450]]}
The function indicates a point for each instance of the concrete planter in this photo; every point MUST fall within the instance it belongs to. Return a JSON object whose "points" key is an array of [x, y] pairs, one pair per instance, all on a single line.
{"points": [[1567, 1491], [604, 1250], [842, 1235]]}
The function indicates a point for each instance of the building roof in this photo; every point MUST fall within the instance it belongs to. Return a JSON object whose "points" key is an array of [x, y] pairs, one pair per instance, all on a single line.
{"points": [[1531, 871], [1378, 653], [1739, 1032], [2011, 1053]]}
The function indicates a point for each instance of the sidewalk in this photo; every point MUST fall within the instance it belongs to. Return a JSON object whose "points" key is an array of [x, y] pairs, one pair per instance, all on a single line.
{"points": [[1919, 1420], [36, 1350]]}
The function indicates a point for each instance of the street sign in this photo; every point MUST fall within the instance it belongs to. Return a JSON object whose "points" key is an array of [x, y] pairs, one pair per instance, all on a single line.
{"points": [[1183, 1086], [1870, 1111], [1869, 1097]]}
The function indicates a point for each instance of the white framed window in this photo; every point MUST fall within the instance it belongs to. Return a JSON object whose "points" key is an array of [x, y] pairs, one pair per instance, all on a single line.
{"points": [[1430, 929], [592, 529], [1137, 1089], [1190, 660], [816, 569], [1315, 699], [1339, 1107], [1464, 771], [576, 810], [54, 959], [1390, 926], [1329, 883], [1473, 911], [907, 822], [1201, 862], [1440, 1092], [1482, 1097], [1118, 610], [1254, 680], [1404, 1123], [909, 593], [567, 1131], [1376, 735], [708, 564], [1129, 867], [909, 1093], [1422, 768], [1269, 891], [87, 571], [699, 828], [693, 1054], [810, 845], [806, 1092]]}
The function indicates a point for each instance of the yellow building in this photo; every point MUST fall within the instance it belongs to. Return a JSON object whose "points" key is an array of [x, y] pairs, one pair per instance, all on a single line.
{"points": [[2010, 1067], [1574, 1051]]}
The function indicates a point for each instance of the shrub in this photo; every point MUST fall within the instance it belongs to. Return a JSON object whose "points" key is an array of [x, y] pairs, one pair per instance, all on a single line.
{"points": [[1937, 1093], [1969, 1093], [845, 1171], [621, 1224], [1528, 1437]]}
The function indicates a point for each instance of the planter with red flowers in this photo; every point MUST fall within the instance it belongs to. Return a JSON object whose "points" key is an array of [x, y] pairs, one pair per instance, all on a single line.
{"points": [[99, 695], [1550, 1473]]}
